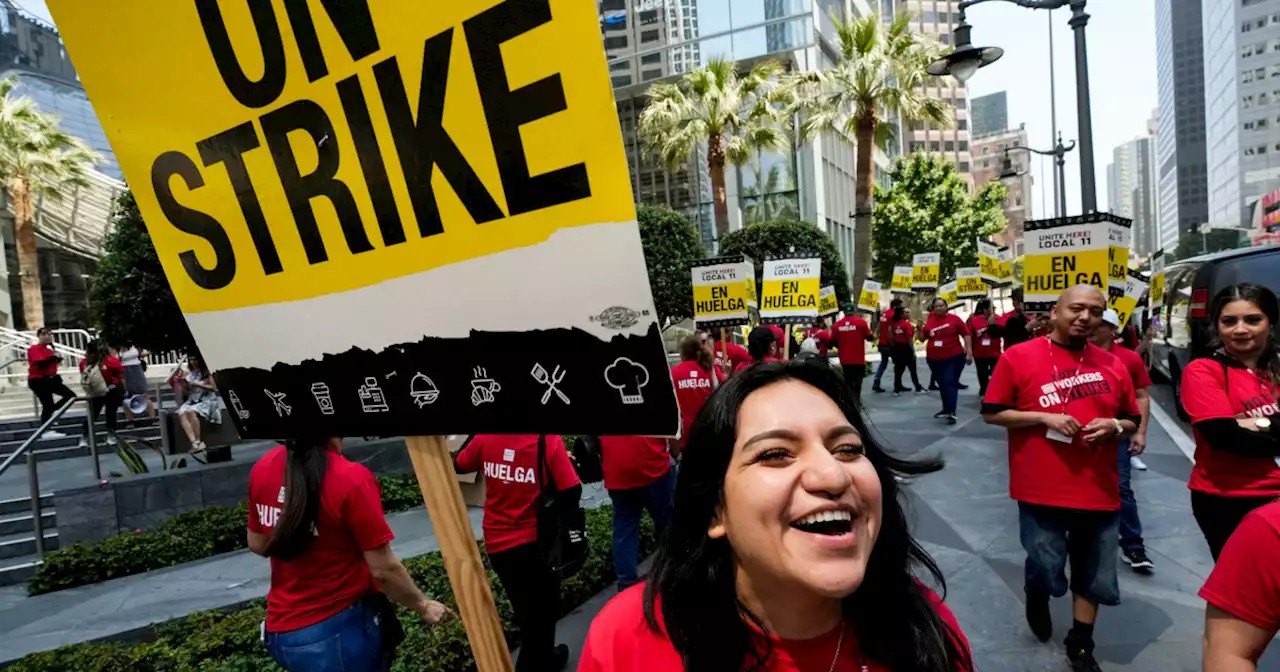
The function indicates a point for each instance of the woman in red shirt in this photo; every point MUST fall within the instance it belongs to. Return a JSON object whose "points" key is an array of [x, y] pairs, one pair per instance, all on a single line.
{"points": [[762, 344], [1233, 398], [985, 343], [1243, 594], [331, 560], [694, 380], [947, 349], [904, 352], [513, 485], [97, 354], [791, 550]]}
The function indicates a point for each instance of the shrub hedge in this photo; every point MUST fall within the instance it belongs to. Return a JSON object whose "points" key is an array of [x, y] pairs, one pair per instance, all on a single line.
{"points": [[213, 641]]}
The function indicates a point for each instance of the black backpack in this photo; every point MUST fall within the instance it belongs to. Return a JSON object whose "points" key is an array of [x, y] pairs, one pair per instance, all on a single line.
{"points": [[587, 459], [562, 524]]}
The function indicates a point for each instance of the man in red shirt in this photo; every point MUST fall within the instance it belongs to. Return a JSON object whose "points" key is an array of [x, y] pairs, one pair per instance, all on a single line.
{"points": [[1243, 594], [851, 335], [1065, 402], [728, 355], [43, 378], [1015, 326], [986, 342], [885, 343], [638, 477]]}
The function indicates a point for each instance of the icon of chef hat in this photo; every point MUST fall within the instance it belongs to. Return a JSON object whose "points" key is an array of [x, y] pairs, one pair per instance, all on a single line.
{"points": [[626, 376]]}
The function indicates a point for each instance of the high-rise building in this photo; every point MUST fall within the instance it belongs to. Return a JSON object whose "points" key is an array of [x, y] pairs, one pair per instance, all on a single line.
{"points": [[989, 153], [1242, 105], [935, 18], [1131, 192], [1180, 140], [990, 114]]}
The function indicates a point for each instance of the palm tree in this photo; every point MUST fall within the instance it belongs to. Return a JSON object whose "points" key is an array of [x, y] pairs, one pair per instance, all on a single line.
{"points": [[880, 75], [37, 158], [735, 115]]}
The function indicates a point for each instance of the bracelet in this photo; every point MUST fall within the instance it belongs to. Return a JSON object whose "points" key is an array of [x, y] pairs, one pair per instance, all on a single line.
{"points": [[1119, 427]]}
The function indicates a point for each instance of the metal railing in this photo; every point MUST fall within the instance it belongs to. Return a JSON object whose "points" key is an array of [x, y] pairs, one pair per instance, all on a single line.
{"points": [[33, 471]]}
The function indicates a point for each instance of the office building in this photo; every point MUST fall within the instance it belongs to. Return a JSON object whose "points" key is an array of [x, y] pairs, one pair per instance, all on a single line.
{"points": [[935, 18], [1180, 139], [1131, 193], [989, 154], [990, 114]]}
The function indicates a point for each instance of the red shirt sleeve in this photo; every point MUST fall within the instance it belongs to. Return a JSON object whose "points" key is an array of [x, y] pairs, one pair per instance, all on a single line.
{"points": [[558, 462], [1246, 581], [468, 459], [1141, 378], [362, 512], [255, 524], [961, 328], [1002, 389], [1203, 393], [738, 354]]}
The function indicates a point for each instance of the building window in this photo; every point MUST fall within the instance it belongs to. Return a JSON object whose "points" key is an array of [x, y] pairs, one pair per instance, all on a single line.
{"points": [[651, 58], [648, 75], [645, 37], [964, 166], [1246, 27], [619, 65], [933, 145], [986, 149], [962, 124], [621, 80], [964, 145], [949, 146], [615, 42]]}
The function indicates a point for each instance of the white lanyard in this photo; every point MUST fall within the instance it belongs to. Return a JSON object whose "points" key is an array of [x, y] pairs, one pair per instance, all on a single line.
{"points": [[1066, 396]]}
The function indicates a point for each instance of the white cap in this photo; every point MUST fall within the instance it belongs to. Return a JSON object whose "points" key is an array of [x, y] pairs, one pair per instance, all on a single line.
{"points": [[1111, 317]]}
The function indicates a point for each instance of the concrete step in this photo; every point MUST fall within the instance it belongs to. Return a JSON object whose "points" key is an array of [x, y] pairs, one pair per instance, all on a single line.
{"points": [[70, 446], [17, 570], [23, 504], [13, 437], [19, 545], [21, 523]]}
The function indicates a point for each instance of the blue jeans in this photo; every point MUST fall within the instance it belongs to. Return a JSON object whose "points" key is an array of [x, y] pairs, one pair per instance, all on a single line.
{"points": [[348, 641], [1130, 525], [1053, 535], [628, 506], [886, 354], [947, 373]]}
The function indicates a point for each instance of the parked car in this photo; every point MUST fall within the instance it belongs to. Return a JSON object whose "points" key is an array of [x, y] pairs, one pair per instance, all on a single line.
{"points": [[1182, 323]]}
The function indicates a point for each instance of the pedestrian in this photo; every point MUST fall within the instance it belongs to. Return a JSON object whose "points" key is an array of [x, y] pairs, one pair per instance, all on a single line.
{"points": [[851, 337], [728, 355], [44, 381], [904, 352], [1233, 397], [823, 338], [791, 550], [202, 403], [885, 343], [103, 378], [319, 518], [947, 349], [135, 381], [1107, 337], [762, 345], [1243, 594], [639, 477], [1015, 325], [694, 379], [513, 487], [1065, 402], [985, 342]]}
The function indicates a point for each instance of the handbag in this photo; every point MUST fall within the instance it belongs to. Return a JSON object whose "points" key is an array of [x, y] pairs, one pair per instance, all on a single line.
{"points": [[388, 622], [562, 524], [587, 459]]}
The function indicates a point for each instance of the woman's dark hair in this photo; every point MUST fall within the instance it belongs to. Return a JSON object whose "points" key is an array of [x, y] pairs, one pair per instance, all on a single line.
{"points": [[759, 341], [94, 352], [894, 621], [1265, 300], [934, 303], [42, 331], [306, 461], [200, 364], [693, 349], [895, 303], [982, 306]]}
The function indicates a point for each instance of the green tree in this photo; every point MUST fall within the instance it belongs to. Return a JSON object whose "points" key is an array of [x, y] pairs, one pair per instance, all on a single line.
{"points": [[37, 158], [929, 209], [735, 115], [879, 75], [671, 245], [130, 297], [784, 236], [1215, 240]]}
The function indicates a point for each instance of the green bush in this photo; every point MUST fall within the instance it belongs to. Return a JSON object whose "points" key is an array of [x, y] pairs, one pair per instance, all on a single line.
{"points": [[228, 642]]}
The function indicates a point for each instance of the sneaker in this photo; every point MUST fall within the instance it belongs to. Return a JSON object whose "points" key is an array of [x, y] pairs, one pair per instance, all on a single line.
{"points": [[877, 388], [1038, 617], [1081, 657], [941, 414], [962, 386], [921, 390], [951, 419], [111, 440], [1137, 463], [559, 657], [84, 443], [1138, 560], [897, 393], [52, 434]]}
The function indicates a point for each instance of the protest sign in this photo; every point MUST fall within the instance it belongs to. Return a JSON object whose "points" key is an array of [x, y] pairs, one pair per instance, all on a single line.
{"points": [[969, 283], [901, 283], [828, 304], [1135, 286], [790, 291], [1157, 280], [1118, 254], [1062, 253], [1005, 256], [341, 199], [722, 291], [869, 300], [925, 269], [949, 292], [989, 261]]}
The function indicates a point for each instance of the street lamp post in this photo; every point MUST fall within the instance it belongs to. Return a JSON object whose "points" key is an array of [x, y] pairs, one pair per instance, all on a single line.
{"points": [[1059, 153], [966, 59]]}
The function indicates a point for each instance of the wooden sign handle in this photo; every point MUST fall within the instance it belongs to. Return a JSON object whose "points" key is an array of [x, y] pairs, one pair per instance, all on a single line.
{"points": [[433, 465]]}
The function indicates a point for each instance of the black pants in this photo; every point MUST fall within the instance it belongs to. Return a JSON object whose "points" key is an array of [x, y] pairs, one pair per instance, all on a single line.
{"points": [[112, 401], [985, 367], [853, 375], [44, 389], [1219, 516], [904, 359], [535, 597]]}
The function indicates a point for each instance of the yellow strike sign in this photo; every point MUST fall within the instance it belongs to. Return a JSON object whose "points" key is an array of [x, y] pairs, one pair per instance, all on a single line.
{"points": [[790, 290], [925, 269], [901, 283], [283, 151], [721, 291], [828, 303], [1063, 253], [969, 283]]}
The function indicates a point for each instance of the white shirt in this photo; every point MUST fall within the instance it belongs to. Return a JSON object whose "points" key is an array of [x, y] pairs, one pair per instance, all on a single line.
{"points": [[131, 357]]}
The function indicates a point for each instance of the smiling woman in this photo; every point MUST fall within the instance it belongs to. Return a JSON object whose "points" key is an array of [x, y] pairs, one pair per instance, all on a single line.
{"points": [[789, 549]]}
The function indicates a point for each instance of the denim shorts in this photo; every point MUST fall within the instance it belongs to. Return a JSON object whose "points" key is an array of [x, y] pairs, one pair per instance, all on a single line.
{"points": [[1089, 540], [348, 641]]}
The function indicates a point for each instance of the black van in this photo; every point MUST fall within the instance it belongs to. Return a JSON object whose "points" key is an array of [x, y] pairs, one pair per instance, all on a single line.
{"points": [[1182, 329]]}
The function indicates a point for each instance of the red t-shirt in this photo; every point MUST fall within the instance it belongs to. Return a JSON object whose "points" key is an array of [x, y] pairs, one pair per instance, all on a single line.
{"points": [[1132, 363], [1246, 581], [985, 345], [331, 574], [903, 332], [112, 370], [730, 355], [944, 336], [886, 329], [1212, 391], [620, 640], [851, 336], [1044, 377], [693, 388], [633, 461], [511, 485], [42, 361]]}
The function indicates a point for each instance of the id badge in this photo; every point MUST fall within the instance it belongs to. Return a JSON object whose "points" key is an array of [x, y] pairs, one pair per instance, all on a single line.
{"points": [[937, 344], [1055, 435], [986, 342]]}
